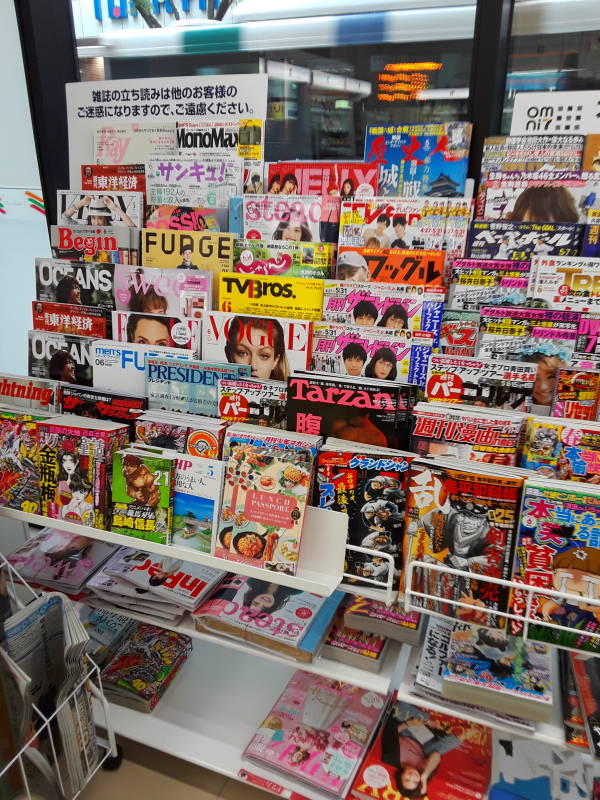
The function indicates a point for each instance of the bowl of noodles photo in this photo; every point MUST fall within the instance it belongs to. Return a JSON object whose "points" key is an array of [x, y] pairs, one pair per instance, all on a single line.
{"points": [[249, 544]]}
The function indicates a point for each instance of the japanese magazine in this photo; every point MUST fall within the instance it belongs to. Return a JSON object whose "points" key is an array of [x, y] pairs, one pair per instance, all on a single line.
{"points": [[29, 393], [386, 353], [142, 495], [576, 394], [467, 432], [488, 383], [368, 411], [157, 329], [196, 501], [520, 241], [486, 282], [370, 487], [133, 142], [266, 295], [60, 357], [106, 631], [73, 319], [260, 402], [356, 648], [458, 332], [400, 265], [186, 218], [305, 444], [557, 548], [419, 736], [318, 732], [121, 367], [264, 499], [160, 291], [77, 283], [294, 623], [100, 209], [587, 681], [114, 245], [199, 436], [568, 284], [296, 218], [568, 450], [590, 247], [348, 179], [113, 178], [374, 616], [420, 159], [272, 347], [19, 486], [502, 672], [184, 180], [188, 386], [85, 401], [385, 305], [466, 518], [587, 347], [289, 259]]}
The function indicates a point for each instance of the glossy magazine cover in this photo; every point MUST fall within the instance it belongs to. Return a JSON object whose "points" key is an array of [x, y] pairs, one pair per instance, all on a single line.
{"points": [[113, 245], [587, 346], [69, 318], [196, 501], [159, 291], [157, 330], [19, 487], [121, 367], [291, 259], [413, 267], [184, 180], [113, 177], [271, 296], [348, 179], [106, 208], [253, 401], [458, 332], [84, 284], [485, 282], [590, 247], [568, 284], [132, 142], [520, 241], [559, 448], [296, 218], [186, 218], [29, 393], [358, 607], [576, 394], [88, 402], [60, 357]]}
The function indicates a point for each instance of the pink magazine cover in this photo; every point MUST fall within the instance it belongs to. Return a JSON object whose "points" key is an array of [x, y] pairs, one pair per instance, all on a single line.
{"points": [[318, 731]]}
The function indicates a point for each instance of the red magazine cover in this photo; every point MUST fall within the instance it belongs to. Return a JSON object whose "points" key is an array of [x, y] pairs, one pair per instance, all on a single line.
{"points": [[397, 265], [323, 177], [70, 318], [113, 177]]}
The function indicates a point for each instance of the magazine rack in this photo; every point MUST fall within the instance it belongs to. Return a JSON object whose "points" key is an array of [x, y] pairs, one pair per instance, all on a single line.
{"points": [[46, 726]]}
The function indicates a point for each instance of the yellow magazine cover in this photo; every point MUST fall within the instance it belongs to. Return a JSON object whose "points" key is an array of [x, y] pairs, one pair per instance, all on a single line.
{"points": [[262, 295]]}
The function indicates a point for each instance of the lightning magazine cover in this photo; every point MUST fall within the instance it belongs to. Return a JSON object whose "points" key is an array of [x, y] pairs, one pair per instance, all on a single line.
{"points": [[285, 258], [478, 282], [520, 241], [59, 281], [30, 393], [399, 265]]}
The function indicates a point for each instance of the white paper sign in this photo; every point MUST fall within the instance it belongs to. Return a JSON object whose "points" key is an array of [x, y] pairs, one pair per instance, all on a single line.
{"points": [[151, 100], [556, 112]]}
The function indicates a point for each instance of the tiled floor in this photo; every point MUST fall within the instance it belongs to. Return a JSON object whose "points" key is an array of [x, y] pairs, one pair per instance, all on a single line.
{"points": [[146, 773]]}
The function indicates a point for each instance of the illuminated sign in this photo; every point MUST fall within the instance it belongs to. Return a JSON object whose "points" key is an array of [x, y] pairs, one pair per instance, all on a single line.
{"points": [[404, 80], [120, 9]]}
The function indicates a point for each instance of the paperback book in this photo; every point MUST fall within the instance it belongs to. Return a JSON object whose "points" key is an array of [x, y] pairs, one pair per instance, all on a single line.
{"points": [[60, 357], [487, 282], [186, 218], [73, 319], [299, 298], [76, 283], [576, 394], [458, 332], [160, 291], [400, 265], [157, 330], [521, 241], [119, 366], [115, 245], [113, 177], [296, 218], [565, 449], [568, 284], [185, 180], [85, 401], [101, 209], [320, 178], [253, 401], [283, 258]]}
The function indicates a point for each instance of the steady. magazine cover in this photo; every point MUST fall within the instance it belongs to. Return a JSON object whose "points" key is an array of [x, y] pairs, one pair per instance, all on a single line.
{"points": [[291, 218], [83, 284]]}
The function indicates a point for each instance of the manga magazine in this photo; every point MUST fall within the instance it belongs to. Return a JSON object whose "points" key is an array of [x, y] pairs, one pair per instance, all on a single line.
{"points": [[520, 241], [384, 353], [60, 357], [113, 178], [253, 401], [568, 284], [114, 245], [142, 495], [132, 143], [70, 318], [466, 519], [587, 680], [306, 445], [160, 291], [186, 218], [557, 548], [30, 393], [587, 347], [291, 218], [157, 330], [413, 267], [184, 180], [121, 366], [271, 296], [356, 648], [285, 258], [485, 282], [458, 332], [590, 247], [318, 731], [347, 179], [100, 209], [19, 461], [200, 436], [156, 433], [374, 616], [76, 283], [87, 402], [576, 394], [371, 490], [196, 501], [507, 385], [428, 159], [566, 449]]}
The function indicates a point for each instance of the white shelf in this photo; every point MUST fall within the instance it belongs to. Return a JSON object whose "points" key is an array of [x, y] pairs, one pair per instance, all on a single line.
{"points": [[320, 566]]}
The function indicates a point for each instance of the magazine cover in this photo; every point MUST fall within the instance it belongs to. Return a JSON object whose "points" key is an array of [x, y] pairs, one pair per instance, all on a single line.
{"points": [[468, 521], [306, 445], [347, 179], [184, 180], [520, 241], [87, 402], [120, 367], [587, 347], [60, 357], [561, 195], [478, 282], [590, 247], [157, 329], [69, 318], [318, 731], [156, 433], [367, 410], [271, 295], [343, 643], [385, 305], [371, 352], [19, 486], [359, 610], [161, 291], [190, 387], [294, 218], [563, 449], [262, 513], [570, 284], [201, 437], [100, 209], [426, 754], [196, 501], [587, 680], [113, 245], [254, 401], [285, 258], [576, 394], [458, 332], [74, 283], [186, 218], [412, 267], [371, 490], [142, 495], [133, 142], [272, 348], [421, 159], [481, 382], [559, 551], [30, 393], [113, 178], [546, 338]]}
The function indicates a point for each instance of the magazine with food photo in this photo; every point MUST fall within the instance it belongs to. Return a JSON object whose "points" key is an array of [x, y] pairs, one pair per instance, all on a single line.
{"points": [[570, 284], [458, 332], [414, 267], [161, 291], [60, 357], [258, 402], [285, 258], [266, 295], [121, 367], [347, 179], [185, 180], [75, 283], [520, 241], [478, 282], [113, 245], [107, 208], [576, 394], [157, 330], [186, 218], [133, 142], [30, 393], [85, 401], [70, 318], [113, 178], [291, 218]]}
